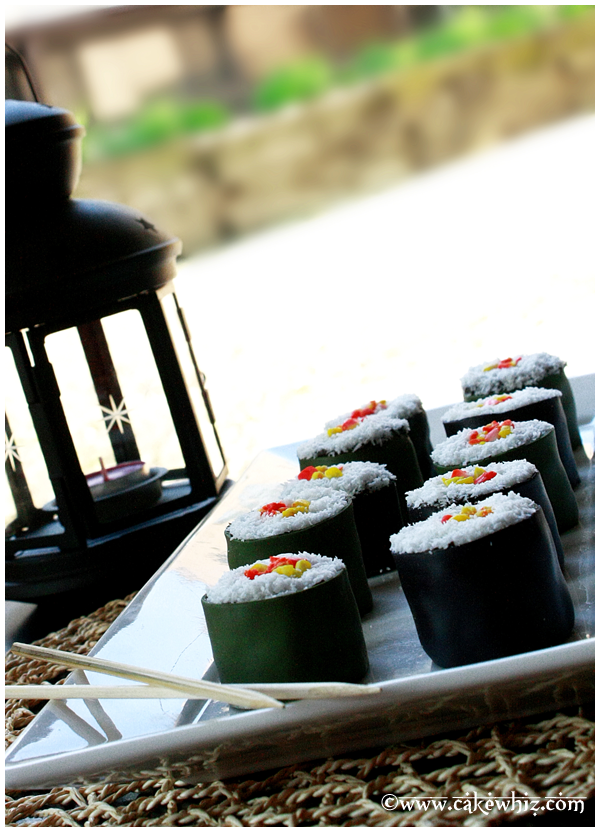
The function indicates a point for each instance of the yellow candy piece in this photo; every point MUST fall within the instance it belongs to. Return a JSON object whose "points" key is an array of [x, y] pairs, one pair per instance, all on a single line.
{"points": [[461, 517], [322, 468], [303, 565], [468, 510], [334, 471], [504, 432], [289, 512], [331, 431], [465, 480], [288, 570], [478, 471], [317, 475], [483, 512], [260, 567], [301, 504]]}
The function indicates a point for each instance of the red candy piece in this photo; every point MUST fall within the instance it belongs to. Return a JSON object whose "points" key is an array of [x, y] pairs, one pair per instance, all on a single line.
{"points": [[273, 508], [307, 472], [274, 562], [458, 472], [446, 517], [487, 475], [349, 423]]}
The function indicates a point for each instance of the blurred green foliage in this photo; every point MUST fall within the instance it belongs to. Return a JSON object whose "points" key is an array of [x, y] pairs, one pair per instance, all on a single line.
{"points": [[157, 122], [465, 27], [295, 82]]}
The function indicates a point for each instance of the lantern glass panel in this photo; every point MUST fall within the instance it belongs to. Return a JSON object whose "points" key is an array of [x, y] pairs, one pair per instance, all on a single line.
{"points": [[190, 372], [23, 454], [112, 395]]}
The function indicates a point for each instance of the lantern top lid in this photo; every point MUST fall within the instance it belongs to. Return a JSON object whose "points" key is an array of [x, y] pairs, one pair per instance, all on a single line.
{"points": [[43, 152], [34, 121], [65, 264]]}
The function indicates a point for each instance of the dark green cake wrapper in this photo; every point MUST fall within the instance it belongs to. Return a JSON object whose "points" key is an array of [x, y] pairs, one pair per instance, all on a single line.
{"points": [[533, 488], [378, 516], [497, 596], [543, 453], [548, 410], [419, 436], [309, 636], [559, 381], [334, 537], [397, 452]]}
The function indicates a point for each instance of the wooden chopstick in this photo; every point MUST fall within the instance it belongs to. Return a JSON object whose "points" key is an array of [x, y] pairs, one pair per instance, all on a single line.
{"points": [[187, 688], [180, 685], [96, 692]]}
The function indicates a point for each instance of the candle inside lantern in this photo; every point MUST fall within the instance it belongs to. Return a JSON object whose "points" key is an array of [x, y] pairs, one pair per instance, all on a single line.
{"points": [[117, 479]]}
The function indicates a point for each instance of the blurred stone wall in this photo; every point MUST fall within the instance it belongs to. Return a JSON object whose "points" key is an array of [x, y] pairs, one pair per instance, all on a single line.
{"points": [[264, 169]]}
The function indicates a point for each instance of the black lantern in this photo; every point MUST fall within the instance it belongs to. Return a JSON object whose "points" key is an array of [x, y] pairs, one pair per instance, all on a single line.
{"points": [[112, 453]]}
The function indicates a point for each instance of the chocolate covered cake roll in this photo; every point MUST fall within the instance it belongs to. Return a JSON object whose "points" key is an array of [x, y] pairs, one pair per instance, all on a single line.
{"points": [[290, 618], [483, 581]]}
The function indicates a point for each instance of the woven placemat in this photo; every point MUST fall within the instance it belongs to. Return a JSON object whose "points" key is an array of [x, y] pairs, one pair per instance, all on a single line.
{"points": [[534, 766]]}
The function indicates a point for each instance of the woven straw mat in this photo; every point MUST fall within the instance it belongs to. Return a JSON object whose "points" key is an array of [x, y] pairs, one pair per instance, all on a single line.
{"points": [[554, 756]]}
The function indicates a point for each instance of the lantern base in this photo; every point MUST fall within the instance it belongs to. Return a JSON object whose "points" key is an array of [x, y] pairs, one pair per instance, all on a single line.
{"points": [[104, 569]]}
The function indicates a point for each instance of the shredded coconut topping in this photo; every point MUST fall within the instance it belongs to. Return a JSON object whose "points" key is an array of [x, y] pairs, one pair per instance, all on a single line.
{"points": [[529, 372], [235, 588], [433, 533], [456, 451], [375, 430], [490, 405], [401, 407], [323, 504], [355, 477], [435, 492]]}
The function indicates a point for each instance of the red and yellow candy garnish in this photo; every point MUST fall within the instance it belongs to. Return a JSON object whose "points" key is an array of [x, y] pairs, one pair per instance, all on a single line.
{"points": [[297, 507], [504, 364], [292, 567], [492, 431], [320, 472], [460, 477], [494, 400], [357, 417], [468, 513]]}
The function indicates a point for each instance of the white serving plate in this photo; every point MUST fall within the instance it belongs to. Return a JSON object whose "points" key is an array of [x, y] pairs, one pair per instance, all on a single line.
{"points": [[164, 629]]}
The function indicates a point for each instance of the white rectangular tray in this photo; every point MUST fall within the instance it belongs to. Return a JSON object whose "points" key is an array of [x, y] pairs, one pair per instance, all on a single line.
{"points": [[164, 628]]}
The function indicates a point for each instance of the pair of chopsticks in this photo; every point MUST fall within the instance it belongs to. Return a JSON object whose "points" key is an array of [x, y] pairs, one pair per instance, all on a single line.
{"points": [[159, 685]]}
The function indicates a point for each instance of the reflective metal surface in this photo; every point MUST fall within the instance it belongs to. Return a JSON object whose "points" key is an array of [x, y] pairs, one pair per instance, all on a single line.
{"points": [[164, 629]]}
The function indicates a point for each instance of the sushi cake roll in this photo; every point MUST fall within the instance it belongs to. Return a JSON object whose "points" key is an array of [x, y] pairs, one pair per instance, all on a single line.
{"points": [[520, 406], [483, 581], [536, 370], [407, 407], [287, 618], [475, 482], [377, 513], [384, 440], [505, 441], [321, 522]]}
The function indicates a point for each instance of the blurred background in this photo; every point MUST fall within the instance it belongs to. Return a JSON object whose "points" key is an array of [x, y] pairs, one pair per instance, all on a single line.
{"points": [[371, 198]]}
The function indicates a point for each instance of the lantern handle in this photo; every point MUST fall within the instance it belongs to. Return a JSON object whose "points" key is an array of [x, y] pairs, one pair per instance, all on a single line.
{"points": [[25, 68]]}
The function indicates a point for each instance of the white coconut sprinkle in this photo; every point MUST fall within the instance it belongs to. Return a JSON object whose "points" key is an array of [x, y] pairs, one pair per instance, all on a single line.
{"points": [[507, 509], [487, 407], [529, 372], [402, 408], [371, 431], [235, 588], [324, 503], [355, 478], [434, 492], [456, 451]]}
